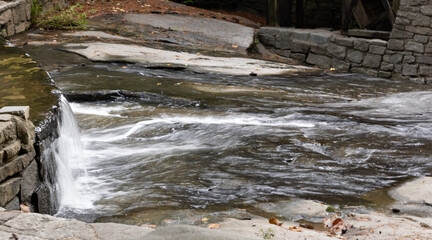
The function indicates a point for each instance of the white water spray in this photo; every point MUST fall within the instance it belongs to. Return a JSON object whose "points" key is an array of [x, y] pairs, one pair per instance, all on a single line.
{"points": [[70, 161]]}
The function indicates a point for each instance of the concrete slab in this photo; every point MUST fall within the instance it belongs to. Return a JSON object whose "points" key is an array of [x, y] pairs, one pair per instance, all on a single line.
{"points": [[222, 31], [108, 52]]}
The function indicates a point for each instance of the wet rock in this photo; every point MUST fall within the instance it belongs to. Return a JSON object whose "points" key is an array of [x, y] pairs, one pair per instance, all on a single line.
{"points": [[417, 191], [13, 204], [30, 181], [20, 111], [9, 189], [296, 209]]}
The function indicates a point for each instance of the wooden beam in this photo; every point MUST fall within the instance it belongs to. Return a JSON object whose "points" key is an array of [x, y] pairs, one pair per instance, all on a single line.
{"points": [[348, 14], [284, 13], [389, 11]]}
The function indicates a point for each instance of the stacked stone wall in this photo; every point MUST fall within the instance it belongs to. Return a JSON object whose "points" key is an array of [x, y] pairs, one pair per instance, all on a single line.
{"points": [[15, 16]]}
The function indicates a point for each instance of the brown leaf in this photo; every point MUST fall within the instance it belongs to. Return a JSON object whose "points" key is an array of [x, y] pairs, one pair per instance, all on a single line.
{"points": [[295, 229], [213, 226], [273, 221], [337, 221], [24, 208]]}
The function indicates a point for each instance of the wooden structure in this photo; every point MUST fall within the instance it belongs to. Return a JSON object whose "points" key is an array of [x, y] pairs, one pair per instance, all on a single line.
{"points": [[279, 13], [375, 18]]}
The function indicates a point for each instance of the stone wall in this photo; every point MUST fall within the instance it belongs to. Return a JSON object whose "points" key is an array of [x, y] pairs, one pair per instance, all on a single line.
{"points": [[19, 175], [27, 171], [407, 54], [15, 14]]}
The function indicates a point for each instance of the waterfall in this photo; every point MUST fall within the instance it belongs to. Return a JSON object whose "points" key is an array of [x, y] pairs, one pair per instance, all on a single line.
{"points": [[69, 157]]}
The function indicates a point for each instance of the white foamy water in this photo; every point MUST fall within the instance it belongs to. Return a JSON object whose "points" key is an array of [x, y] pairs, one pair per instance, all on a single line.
{"points": [[69, 156]]}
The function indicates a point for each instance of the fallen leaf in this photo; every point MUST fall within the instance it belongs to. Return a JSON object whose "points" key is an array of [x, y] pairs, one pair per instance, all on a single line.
{"points": [[306, 225], [204, 219], [273, 221], [295, 229], [332, 69], [24, 207], [234, 46], [213, 226], [159, 84]]}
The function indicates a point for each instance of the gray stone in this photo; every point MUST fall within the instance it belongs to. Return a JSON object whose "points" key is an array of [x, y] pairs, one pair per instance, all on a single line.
{"points": [[374, 49], [318, 38], [394, 58], [402, 21], [189, 232], [30, 181], [300, 36], [7, 132], [384, 74], [299, 47], [421, 20], [416, 191], [267, 40], [11, 150], [9, 189], [354, 56], [298, 56], [13, 204], [372, 61], [409, 69], [426, 10], [295, 208], [396, 33], [387, 66], [424, 59], [2, 209], [319, 49], [5, 117], [414, 46], [344, 41], [336, 51], [25, 130], [397, 68], [283, 53], [116, 231], [16, 165], [394, 44], [20, 111], [6, 216], [319, 60], [340, 64], [426, 71], [378, 42], [361, 45], [283, 40], [409, 59], [418, 30], [421, 38]]}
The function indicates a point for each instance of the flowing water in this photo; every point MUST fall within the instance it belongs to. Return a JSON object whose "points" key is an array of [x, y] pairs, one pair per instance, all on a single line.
{"points": [[204, 142]]}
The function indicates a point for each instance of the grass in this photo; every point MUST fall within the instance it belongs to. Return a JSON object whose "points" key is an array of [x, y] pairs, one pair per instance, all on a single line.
{"points": [[67, 19]]}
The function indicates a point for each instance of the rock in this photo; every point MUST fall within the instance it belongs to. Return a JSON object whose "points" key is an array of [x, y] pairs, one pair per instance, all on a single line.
{"points": [[30, 181], [16, 165], [114, 231], [5, 117], [396, 33], [393, 58], [319, 60], [414, 46], [336, 51], [7, 131], [354, 56], [2, 209], [417, 191], [198, 63], [189, 232], [344, 41], [296, 209], [319, 38], [11, 151], [361, 45], [372, 60], [394, 44], [374, 49], [25, 130], [9, 189], [13, 204], [387, 66], [20, 111], [96, 34], [409, 69], [340, 64]]}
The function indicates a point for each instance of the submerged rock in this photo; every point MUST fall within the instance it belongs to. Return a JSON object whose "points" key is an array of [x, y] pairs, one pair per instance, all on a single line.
{"points": [[418, 191]]}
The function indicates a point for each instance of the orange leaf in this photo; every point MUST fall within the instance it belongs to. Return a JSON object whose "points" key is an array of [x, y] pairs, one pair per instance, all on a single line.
{"points": [[295, 229], [273, 221], [213, 226]]}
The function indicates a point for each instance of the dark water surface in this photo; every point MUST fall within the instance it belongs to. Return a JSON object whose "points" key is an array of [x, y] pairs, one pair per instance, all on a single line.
{"points": [[185, 141]]}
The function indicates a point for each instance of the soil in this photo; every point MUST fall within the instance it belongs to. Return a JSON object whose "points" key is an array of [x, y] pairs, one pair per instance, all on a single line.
{"points": [[101, 7]]}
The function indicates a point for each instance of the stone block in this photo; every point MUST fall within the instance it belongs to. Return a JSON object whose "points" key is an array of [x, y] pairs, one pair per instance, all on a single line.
{"points": [[409, 59], [5, 117], [372, 61], [344, 41], [283, 53], [319, 60], [267, 40], [299, 47], [7, 132], [336, 51], [418, 30], [298, 56], [384, 74], [20, 111], [425, 70], [361, 45], [319, 49], [25, 130], [340, 64], [426, 9], [397, 68], [11, 150], [378, 42], [424, 59], [393, 58], [409, 69], [282, 41], [374, 49], [421, 20], [402, 21], [396, 33], [414, 46], [387, 66], [9, 189], [354, 56], [421, 38], [16, 166], [319, 38], [30, 181], [394, 44], [300, 36]]}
